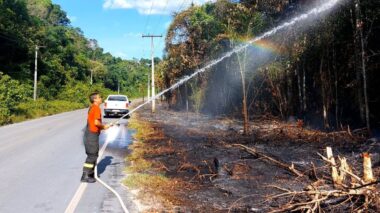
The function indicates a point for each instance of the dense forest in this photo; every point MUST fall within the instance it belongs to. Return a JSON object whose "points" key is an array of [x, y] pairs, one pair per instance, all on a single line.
{"points": [[70, 65], [322, 72]]}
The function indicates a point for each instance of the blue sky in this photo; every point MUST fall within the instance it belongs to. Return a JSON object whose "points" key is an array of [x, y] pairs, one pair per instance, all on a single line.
{"points": [[117, 25]]}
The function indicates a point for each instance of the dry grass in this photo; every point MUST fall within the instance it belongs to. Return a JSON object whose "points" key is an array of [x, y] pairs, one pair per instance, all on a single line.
{"points": [[143, 128], [144, 174], [141, 180], [139, 165]]}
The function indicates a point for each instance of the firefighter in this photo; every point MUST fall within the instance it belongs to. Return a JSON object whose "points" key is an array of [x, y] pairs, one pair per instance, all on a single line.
{"points": [[91, 137]]}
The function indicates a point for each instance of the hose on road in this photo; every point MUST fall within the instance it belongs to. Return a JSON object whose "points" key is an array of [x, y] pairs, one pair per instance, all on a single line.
{"points": [[103, 183], [104, 148]]}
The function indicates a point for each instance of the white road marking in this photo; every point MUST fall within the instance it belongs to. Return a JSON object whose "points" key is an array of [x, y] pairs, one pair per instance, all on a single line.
{"points": [[75, 200], [82, 187]]}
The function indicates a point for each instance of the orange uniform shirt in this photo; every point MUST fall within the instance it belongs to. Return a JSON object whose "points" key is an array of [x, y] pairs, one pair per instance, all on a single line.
{"points": [[94, 114]]}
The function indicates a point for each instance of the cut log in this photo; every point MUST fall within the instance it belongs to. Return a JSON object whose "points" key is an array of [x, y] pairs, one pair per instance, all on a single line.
{"points": [[334, 171], [344, 168], [286, 166], [367, 168]]}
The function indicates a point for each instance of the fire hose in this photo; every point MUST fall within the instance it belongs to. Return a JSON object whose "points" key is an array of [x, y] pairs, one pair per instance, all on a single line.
{"points": [[101, 154], [104, 184]]}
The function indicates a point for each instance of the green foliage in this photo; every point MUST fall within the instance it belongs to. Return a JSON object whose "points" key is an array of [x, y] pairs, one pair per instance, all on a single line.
{"points": [[48, 12], [197, 98], [131, 75], [206, 23], [201, 33], [79, 92], [15, 35], [275, 71], [65, 62], [11, 93], [75, 92], [34, 109], [4, 115]]}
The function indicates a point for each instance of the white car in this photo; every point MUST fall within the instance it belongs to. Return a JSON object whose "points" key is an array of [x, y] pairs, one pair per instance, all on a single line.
{"points": [[117, 105]]}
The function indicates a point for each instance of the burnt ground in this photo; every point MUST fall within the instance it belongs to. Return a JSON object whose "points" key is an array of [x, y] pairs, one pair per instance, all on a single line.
{"points": [[208, 173]]}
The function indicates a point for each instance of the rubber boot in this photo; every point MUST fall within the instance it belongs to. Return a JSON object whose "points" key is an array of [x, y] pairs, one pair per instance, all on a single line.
{"points": [[92, 175], [87, 178]]}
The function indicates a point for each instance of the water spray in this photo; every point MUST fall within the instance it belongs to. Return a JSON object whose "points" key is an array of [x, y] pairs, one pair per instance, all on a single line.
{"points": [[324, 7]]}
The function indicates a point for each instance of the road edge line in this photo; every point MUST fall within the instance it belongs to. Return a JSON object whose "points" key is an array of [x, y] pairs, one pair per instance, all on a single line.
{"points": [[77, 197]]}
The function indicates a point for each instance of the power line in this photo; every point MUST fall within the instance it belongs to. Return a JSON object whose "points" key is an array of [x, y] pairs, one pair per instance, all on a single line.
{"points": [[144, 29], [150, 13], [183, 3], [159, 20]]}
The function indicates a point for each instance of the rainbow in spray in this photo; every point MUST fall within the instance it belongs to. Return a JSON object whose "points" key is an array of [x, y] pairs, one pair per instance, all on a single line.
{"points": [[263, 44], [269, 46]]}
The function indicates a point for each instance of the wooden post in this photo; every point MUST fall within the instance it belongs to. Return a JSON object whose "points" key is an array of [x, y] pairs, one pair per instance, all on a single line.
{"points": [[334, 171], [367, 168], [343, 169]]}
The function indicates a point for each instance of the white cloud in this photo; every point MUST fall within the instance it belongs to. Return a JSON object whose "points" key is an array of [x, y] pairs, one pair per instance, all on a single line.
{"points": [[117, 4], [148, 7]]}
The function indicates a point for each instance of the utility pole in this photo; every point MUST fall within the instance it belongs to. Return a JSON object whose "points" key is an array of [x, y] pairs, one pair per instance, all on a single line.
{"points": [[92, 45], [148, 87], [152, 54], [118, 83], [35, 72]]}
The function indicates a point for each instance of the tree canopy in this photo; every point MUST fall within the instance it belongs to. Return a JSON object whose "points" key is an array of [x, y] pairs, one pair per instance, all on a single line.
{"points": [[323, 71], [66, 58]]}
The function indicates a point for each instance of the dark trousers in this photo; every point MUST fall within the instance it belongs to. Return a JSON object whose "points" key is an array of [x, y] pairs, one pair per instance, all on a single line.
{"points": [[91, 144]]}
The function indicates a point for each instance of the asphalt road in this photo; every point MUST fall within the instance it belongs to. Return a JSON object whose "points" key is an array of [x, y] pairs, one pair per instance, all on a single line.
{"points": [[41, 165]]}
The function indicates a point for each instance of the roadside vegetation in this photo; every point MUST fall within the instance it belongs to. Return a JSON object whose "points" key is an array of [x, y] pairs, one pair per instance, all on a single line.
{"points": [[323, 71], [66, 60], [40, 108], [144, 172]]}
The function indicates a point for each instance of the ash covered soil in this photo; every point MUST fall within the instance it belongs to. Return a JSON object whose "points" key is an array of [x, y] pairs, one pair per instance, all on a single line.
{"points": [[210, 173]]}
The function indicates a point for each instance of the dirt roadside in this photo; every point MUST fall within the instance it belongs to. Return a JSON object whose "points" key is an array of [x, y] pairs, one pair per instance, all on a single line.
{"points": [[184, 162]]}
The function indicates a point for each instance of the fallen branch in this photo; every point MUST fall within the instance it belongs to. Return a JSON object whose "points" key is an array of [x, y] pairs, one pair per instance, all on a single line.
{"points": [[317, 197], [365, 185], [313, 196], [189, 166], [253, 151]]}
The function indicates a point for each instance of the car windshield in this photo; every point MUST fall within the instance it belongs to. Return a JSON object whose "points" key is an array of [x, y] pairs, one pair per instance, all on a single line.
{"points": [[117, 98]]}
